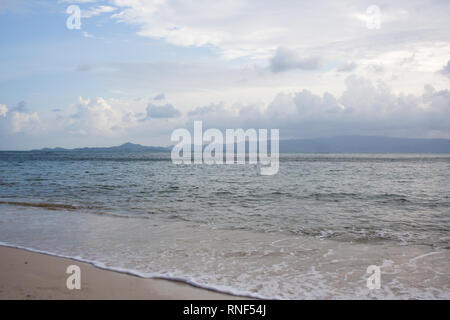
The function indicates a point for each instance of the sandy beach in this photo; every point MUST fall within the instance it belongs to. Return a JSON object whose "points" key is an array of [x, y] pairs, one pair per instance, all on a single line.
{"points": [[30, 275]]}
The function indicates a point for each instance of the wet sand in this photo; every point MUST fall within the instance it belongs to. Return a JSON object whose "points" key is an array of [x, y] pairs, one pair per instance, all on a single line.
{"points": [[30, 275]]}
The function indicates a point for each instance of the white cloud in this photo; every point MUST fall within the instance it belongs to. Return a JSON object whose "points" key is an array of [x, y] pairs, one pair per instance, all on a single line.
{"points": [[256, 28], [21, 122], [95, 11], [362, 109], [404, 53], [3, 110], [93, 117], [18, 119]]}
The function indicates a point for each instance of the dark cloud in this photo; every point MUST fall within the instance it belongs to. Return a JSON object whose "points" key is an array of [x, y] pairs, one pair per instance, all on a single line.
{"points": [[165, 111], [348, 67], [20, 107], [446, 69], [160, 96], [217, 108], [286, 59]]}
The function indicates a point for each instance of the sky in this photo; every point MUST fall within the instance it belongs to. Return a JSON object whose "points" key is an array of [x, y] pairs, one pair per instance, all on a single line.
{"points": [[135, 70]]}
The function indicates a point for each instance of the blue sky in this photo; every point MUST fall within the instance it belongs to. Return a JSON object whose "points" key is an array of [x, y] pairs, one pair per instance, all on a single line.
{"points": [[310, 69]]}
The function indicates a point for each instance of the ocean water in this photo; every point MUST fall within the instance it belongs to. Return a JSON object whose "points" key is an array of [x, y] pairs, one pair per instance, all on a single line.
{"points": [[308, 232]]}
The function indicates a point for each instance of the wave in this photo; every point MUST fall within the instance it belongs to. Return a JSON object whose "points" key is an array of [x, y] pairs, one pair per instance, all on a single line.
{"points": [[68, 207], [190, 281], [356, 229], [48, 206]]}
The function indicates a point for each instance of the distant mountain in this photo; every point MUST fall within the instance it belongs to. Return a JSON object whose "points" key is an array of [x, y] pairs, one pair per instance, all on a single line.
{"points": [[126, 147], [361, 144], [371, 144]]}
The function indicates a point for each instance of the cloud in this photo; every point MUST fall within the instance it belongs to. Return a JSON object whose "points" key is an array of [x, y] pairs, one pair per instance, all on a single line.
{"points": [[18, 119], [160, 96], [20, 107], [376, 68], [348, 67], [232, 26], [253, 28], [362, 109], [93, 117], [446, 69], [88, 122], [285, 60], [212, 108], [95, 11], [165, 111], [3, 110], [21, 122]]}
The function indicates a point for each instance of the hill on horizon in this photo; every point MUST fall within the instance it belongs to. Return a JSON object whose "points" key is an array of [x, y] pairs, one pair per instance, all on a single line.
{"points": [[340, 144]]}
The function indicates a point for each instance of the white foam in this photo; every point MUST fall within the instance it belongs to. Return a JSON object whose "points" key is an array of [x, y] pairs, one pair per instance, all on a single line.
{"points": [[188, 280]]}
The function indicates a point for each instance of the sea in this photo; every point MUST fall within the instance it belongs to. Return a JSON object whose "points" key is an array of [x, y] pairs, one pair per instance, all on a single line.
{"points": [[309, 232]]}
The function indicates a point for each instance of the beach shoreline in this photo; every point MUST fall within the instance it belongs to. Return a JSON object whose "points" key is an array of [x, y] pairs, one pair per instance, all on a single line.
{"points": [[32, 276]]}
